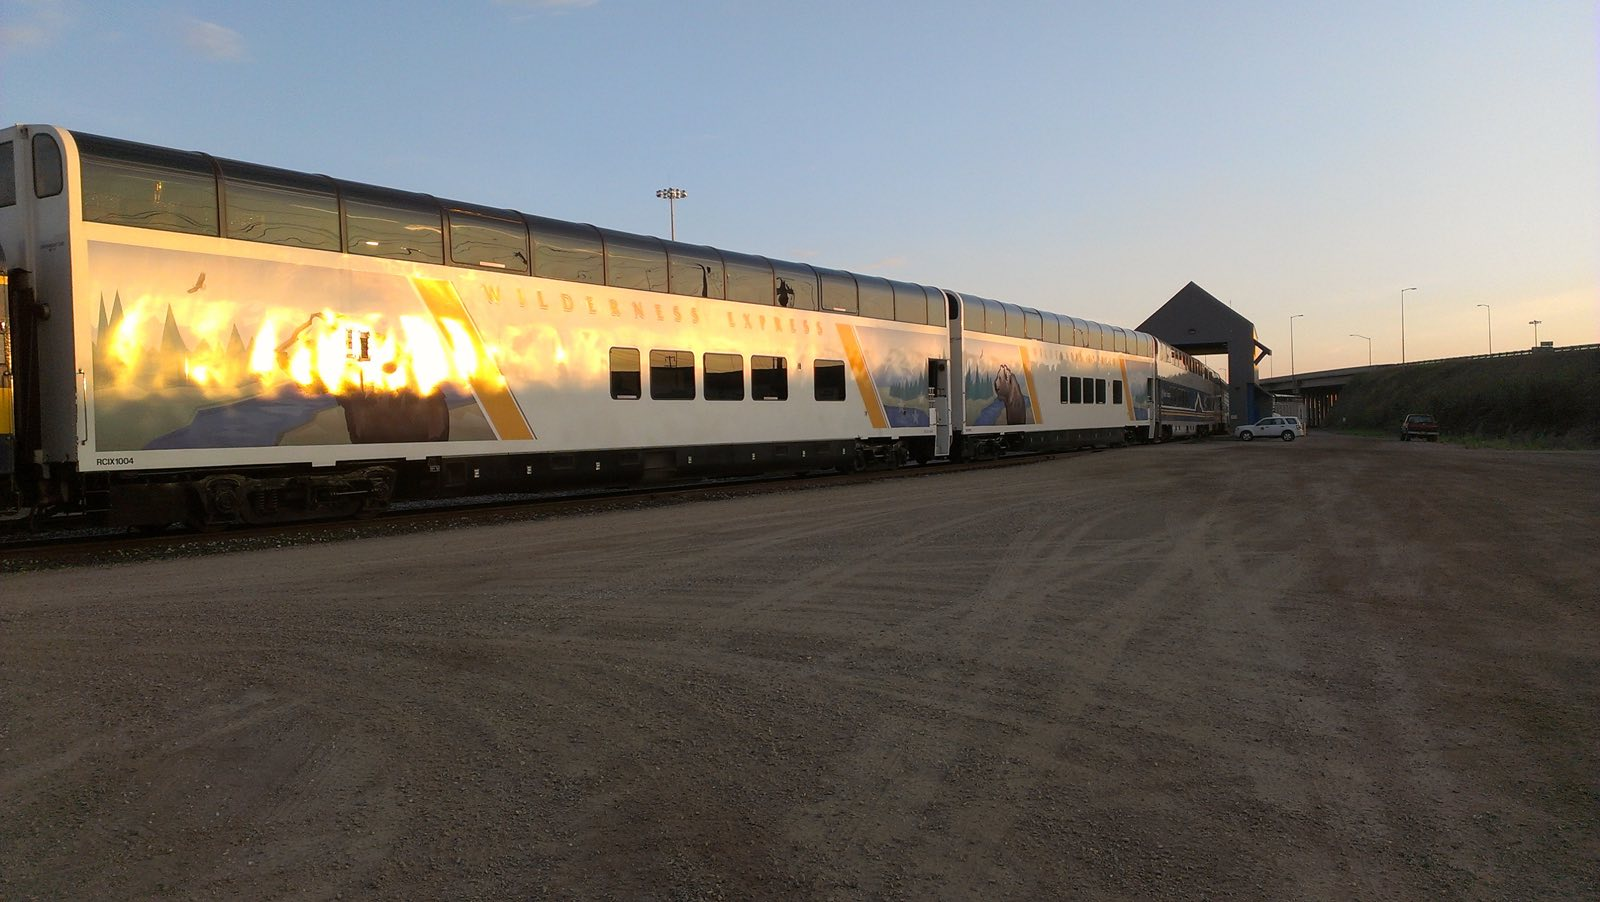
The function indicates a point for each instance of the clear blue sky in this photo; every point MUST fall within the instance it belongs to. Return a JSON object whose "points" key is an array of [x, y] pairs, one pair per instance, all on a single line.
{"points": [[1084, 157]]}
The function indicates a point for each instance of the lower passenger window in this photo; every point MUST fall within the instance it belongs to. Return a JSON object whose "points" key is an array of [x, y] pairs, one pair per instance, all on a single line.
{"points": [[625, 377], [1066, 390], [829, 379], [1099, 391], [1077, 390], [1116, 391], [724, 377], [769, 378], [672, 375]]}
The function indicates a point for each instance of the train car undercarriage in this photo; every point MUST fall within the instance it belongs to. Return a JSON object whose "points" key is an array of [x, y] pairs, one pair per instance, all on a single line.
{"points": [[208, 499]]}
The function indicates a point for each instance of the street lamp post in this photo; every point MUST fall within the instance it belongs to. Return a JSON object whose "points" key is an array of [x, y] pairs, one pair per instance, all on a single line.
{"points": [[1403, 322], [1369, 347], [1291, 343], [1489, 319], [672, 196], [1535, 324]]}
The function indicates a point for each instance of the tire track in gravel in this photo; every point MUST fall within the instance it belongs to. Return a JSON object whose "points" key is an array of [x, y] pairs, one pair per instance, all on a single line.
{"points": [[1004, 693], [1114, 603], [1402, 550], [1285, 778]]}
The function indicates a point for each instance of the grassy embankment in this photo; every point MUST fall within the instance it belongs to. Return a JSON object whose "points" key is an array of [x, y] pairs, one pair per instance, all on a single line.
{"points": [[1541, 400]]}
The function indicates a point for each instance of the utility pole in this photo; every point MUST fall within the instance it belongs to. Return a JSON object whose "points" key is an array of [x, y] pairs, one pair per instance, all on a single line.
{"points": [[1369, 347], [672, 196], [1403, 322]]}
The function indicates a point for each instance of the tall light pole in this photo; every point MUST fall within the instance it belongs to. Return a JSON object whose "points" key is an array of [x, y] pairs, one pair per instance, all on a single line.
{"points": [[1291, 343], [1369, 347], [1403, 322], [672, 196], [1535, 324], [1489, 318]]}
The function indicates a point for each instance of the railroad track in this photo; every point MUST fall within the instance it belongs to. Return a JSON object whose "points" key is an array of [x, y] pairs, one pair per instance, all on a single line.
{"points": [[91, 546]]}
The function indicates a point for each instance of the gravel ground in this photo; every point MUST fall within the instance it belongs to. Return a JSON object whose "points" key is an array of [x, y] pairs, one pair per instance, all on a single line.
{"points": [[1336, 668]]}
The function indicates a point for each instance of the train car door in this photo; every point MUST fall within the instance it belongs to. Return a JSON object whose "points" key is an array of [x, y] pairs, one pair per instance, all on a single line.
{"points": [[7, 418], [8, 198], [1152, 386], [955, 404], [939, 404]]}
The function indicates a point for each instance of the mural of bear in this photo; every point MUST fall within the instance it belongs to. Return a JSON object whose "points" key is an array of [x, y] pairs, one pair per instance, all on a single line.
{"points": [[1011, 396]]}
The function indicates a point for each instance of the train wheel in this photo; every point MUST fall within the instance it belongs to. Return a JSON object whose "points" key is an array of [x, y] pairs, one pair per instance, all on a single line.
{"points": [[218, 501]]}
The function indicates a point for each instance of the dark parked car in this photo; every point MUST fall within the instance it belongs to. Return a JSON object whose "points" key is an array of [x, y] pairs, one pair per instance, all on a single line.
{"points": [[1419, 425]]}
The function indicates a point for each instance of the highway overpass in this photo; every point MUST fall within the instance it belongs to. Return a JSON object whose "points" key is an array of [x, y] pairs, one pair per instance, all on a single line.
{"points": [[1321, 389]]}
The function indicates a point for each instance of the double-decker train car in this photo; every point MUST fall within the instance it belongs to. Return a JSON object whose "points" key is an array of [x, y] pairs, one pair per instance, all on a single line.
{"points": [[200, 340], [1035, 380], [1190, 399]]}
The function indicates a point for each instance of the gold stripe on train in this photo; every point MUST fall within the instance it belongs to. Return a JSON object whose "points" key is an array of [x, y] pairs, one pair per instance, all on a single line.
{"points": [[1033, 393], [858, 366], [1127, 389], [488, 383]]}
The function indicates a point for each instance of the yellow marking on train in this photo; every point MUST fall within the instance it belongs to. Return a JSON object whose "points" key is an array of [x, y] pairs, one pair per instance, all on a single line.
{"points": [[1027, 375], [488, 383], [858, 366], [1127, 388]]}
